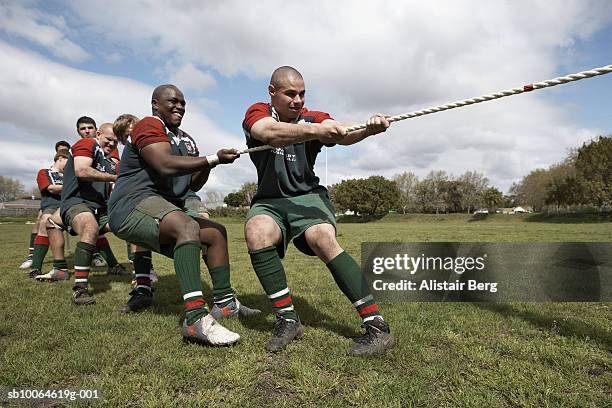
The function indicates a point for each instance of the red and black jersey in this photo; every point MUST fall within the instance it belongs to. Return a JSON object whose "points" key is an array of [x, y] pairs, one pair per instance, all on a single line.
{"points": [[93, 193], [137, 180], [44, 179], [284, 171]]}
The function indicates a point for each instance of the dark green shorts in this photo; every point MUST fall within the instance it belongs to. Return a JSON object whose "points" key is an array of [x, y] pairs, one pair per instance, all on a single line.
{"points": [[294, 215], [195, 205], [49, 210], [141, 226], [72, 212]]}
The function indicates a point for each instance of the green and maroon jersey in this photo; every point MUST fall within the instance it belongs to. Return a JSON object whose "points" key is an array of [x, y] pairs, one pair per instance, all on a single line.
{"points": [[44, 179], [94, 194], [137, 180], [284, 171]]}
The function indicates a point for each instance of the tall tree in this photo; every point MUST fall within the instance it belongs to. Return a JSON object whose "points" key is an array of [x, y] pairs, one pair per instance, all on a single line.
{"points": [[492, 197], [371, 196], [594, 165], [472, 184], [10, 189], [406, 184]]}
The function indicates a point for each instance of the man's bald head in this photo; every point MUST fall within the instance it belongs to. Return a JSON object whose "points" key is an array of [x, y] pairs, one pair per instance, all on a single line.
{"points": [[106, 138], [281, 74], [159, 91]]}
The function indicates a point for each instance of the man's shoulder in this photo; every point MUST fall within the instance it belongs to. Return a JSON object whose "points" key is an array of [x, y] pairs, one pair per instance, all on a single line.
{"points": [[84, 147], [254, 113], [148, 130]]}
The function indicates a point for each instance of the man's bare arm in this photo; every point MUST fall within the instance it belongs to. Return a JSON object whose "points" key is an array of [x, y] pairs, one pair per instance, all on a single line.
{"points": [[377, 123], [84, 171], [158, 156], [54, 188], [279, 134]]}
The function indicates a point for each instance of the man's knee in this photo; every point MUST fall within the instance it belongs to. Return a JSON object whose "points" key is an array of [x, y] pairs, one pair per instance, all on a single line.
{"points": [[86, 226], [322, 239], [260, 232]]}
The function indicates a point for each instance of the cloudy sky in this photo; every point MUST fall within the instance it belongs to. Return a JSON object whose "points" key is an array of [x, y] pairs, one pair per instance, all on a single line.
{"points": [[101, 58]]}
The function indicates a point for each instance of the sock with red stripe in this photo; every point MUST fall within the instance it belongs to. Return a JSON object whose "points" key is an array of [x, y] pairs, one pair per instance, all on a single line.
{"points": [[223, 294], [349, 278], [186, 257], [41, 246], [271, 274], [105, 250], [142, 269], [82, 263], [31, 247]]}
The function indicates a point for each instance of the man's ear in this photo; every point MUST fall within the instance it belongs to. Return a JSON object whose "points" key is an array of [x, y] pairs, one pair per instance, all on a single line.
{"points": [[271, 90]]}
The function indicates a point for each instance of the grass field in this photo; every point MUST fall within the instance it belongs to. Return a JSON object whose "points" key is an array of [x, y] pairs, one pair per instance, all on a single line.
{"points": [[447, 354]]}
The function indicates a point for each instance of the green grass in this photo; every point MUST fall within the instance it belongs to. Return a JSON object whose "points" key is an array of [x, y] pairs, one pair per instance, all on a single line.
{"points": [[447, 354]]}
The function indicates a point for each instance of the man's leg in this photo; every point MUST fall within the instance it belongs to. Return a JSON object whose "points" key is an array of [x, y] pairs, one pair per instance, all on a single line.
{"points": [[178, 229], [348, 275], [142, 293], [214, 237], [86, 226], [262, 235], [41, 246], [28, 261], [56, 243]]}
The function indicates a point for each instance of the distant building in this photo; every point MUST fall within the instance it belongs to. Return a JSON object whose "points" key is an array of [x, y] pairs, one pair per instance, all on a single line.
{"points": [[23, 206]]}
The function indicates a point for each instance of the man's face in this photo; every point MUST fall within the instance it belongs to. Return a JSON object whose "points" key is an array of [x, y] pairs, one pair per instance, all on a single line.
{"points": [[107, 140], [170, 107], [86, 130], [60, 164], [288, 97]]}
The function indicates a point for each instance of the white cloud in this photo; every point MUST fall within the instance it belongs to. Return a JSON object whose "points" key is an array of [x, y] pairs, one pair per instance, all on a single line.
{"points": [[43, 99], [190, 77], [358, 57], [40, 28]]}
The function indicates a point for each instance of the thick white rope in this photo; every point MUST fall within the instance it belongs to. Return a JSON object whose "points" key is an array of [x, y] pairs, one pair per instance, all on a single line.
{"points": [[501, 94]]}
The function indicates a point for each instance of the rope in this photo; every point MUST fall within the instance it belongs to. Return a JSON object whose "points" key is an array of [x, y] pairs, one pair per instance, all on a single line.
{"points": [[501, 94]]}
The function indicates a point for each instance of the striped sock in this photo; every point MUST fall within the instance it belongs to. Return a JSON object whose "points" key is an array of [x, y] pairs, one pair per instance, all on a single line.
{"points": [[105, 251], [349, 278], [41, 246], [142, 269], [223, 294], [186, 257], [31, 247], [82, 263], [271, 274]]}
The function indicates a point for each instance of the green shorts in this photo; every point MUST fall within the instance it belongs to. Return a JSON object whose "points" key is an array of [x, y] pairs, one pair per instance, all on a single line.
{"points": [[195, 205], [72, 212], [294, 215], [49, 210], [141, 226]]}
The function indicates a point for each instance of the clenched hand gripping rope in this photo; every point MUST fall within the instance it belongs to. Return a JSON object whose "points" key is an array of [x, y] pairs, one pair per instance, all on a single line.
{"points": [[501, 94]]}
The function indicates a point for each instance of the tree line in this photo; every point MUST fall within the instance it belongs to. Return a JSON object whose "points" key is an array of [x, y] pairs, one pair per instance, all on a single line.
{"points": [[583, 178]]}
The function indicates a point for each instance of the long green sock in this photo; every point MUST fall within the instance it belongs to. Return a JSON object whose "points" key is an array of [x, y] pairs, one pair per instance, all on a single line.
{"points": [[223, 294], [271, 274], [142, 269], [60, 264], [348, 276], [41, 246], [82, 263], [186, 257], [105, 250]]}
